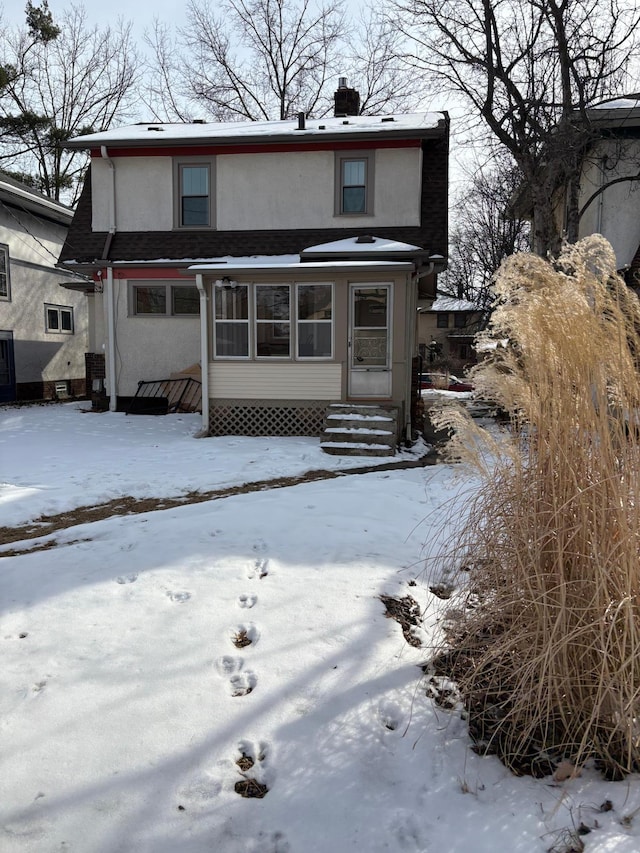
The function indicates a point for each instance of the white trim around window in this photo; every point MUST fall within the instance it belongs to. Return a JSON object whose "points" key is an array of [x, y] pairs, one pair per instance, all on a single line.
{"points": [[283, 321], [58, 319]]}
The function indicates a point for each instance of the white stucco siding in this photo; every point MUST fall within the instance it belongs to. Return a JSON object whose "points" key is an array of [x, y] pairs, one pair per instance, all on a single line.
{"points": [[257, 191], [613, 213], [296, 189], [36, 241], [266, 381], [143, 193]]}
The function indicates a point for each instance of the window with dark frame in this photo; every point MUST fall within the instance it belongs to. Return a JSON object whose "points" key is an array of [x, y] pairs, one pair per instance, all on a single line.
{"points": [[459, 320], [165, 300], [5, 289], [442, 320], [194, 195], [58, 319], [354, 183]]}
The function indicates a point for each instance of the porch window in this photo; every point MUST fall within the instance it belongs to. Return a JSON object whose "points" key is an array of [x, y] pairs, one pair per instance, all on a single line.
{"points": [[273, 321], [5, 290], [58, 319], [231, 324], [354, 184], [315, 320]]}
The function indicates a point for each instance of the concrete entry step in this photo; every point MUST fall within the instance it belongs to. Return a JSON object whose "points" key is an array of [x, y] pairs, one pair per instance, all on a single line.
{"points": [[360, 430]]}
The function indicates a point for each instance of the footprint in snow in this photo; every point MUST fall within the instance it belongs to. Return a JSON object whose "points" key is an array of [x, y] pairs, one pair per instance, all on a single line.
{"points": [[127, 578], [228, 665], [198, 793], [389, 715], [260, 568], [244, 635], [247, 601], [179, 597], [250, 763], [242, 683]]}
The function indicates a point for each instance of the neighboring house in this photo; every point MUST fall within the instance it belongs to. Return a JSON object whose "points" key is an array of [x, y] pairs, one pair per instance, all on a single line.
{"points": [[285, 257], [43, 327], [609, 193], [446, 331]]}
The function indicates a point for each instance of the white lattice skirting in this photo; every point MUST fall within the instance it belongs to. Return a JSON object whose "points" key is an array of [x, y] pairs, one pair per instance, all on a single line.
{"points": [[266, 418]]}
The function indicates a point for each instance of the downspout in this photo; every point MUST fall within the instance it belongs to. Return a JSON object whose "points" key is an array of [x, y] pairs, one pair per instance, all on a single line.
{"points": [[111, 339], [110, 296], [412, 323], [204, 353]]}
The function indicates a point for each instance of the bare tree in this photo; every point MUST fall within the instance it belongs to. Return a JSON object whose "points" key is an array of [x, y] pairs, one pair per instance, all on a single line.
{"points": [[271, 59], [530, 70], [375, 66], [485, 231], [79, 80], [253, 59]]}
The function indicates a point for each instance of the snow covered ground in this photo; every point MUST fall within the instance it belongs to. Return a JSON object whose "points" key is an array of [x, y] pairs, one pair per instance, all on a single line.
{"points": [[125, 702]]}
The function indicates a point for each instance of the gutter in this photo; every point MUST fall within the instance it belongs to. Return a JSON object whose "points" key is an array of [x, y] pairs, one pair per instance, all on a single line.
{"points": [[204, 352], [111, 339]]}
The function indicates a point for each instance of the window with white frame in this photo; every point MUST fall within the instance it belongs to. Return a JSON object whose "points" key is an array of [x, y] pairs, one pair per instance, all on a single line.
{"points": [[354, 183], [193, 182], [280, 321], [5, 286], [58, 319], [273, 320], [314, 321], [231, 320], [163, 299]]}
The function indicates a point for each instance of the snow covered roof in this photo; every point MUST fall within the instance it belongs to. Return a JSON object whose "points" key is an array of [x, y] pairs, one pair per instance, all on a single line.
{"points": [[19, 194], [237, 266], [199, 133], [362, 244], [448, 303]]}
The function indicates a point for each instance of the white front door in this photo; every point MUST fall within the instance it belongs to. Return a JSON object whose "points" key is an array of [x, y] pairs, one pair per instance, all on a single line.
{"points": [[370, 341]]}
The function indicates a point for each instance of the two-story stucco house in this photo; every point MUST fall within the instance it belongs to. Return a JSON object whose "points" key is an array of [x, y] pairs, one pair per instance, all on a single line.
{"points": [[284, 256], [43, 327]]}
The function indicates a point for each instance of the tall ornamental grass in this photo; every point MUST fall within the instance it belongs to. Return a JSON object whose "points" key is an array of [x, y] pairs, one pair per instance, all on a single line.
{"points": [[546, 649]]}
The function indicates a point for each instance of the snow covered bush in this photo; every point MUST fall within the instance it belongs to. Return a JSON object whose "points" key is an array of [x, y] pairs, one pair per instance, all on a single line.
{"points": [[547, 649]]}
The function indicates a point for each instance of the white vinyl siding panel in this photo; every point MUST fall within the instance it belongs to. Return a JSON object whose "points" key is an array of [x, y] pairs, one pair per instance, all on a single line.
{"points": [[260, 381]]}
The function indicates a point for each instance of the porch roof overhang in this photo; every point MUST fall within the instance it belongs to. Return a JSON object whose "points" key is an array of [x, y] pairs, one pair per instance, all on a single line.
{"points": [[296, 268]]}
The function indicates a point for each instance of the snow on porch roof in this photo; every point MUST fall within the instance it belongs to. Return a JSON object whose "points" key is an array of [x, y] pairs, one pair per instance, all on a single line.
{"points": [[370, 245], [285, 264]]}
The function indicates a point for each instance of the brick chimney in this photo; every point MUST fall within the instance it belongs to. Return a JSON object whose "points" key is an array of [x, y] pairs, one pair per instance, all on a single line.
{"points": [[346, 101]]}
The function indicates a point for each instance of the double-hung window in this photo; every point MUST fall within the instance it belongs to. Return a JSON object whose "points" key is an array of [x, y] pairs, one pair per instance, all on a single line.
{"points": [[315, 320], [354, 184], [273, 320], [194, 194], [5, 289], [231, 325]]}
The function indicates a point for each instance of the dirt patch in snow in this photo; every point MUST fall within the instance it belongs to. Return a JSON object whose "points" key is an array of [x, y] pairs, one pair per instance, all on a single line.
{"points": [[127, 505]]}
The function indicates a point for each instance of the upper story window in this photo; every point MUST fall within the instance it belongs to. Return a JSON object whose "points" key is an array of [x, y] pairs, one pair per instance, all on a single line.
{"points": [[354, 184], [164, 299], [58, 319], [442, 320], [5, 285], [459, 320], [194, 205]]}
